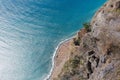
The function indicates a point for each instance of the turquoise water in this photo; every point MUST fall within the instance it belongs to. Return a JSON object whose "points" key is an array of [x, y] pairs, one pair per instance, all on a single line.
{"points": [[30, 30]]}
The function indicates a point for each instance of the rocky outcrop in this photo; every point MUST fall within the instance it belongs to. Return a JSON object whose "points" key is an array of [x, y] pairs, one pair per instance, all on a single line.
{"points": [[97, 57]]}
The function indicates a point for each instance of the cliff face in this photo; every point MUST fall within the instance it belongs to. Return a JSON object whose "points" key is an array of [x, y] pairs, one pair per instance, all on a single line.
{"points": [[96, 53]]}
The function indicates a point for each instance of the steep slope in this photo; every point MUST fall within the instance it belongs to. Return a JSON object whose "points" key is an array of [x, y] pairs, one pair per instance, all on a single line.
{"points": [[96, 49]]}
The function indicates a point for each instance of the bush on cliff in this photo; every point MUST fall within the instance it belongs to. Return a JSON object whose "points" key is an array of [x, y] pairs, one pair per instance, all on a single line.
{"points": [[77, 42], [87, 26]]}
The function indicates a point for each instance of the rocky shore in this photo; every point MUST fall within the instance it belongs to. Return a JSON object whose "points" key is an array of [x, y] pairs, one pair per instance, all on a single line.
{"points": [[94, 54]]}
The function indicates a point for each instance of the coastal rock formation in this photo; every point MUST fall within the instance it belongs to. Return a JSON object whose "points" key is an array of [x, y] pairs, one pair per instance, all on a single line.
{"points": [[96, 49]]}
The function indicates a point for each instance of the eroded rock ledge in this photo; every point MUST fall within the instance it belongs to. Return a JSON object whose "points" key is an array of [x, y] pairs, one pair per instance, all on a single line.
{"points": [[96, 53]]}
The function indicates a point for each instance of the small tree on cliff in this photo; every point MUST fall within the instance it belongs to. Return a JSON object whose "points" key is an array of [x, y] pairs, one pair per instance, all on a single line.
{"points": [[87, 26]]}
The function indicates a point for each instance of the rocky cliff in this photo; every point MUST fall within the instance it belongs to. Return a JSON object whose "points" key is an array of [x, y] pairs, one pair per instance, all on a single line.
{"points": [[95, 53]]}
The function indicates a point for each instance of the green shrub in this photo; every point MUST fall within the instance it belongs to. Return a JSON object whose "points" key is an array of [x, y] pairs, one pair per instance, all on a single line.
{"points": [[75, 62], [87, 26], [77, 42]]}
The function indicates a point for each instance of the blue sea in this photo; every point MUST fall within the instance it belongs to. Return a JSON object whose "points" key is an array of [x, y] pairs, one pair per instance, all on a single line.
{"points": [[30, 31]]}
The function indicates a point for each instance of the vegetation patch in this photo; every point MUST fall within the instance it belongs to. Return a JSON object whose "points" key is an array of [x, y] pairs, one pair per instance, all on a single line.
{"points": [[87, 26], [76, 41]]}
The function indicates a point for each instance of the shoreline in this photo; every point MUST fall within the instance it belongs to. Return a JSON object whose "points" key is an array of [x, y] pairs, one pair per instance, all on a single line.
{"points": [[56, 49], [55, 54], [62, 54], [58, 46]]}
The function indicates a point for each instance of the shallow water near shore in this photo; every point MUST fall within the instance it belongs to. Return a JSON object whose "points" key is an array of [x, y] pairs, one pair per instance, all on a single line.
{"points": [[30, 31]]}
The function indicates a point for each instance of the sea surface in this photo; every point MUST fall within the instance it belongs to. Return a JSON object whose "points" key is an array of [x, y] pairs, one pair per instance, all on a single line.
{"points": [[30, 30]]}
